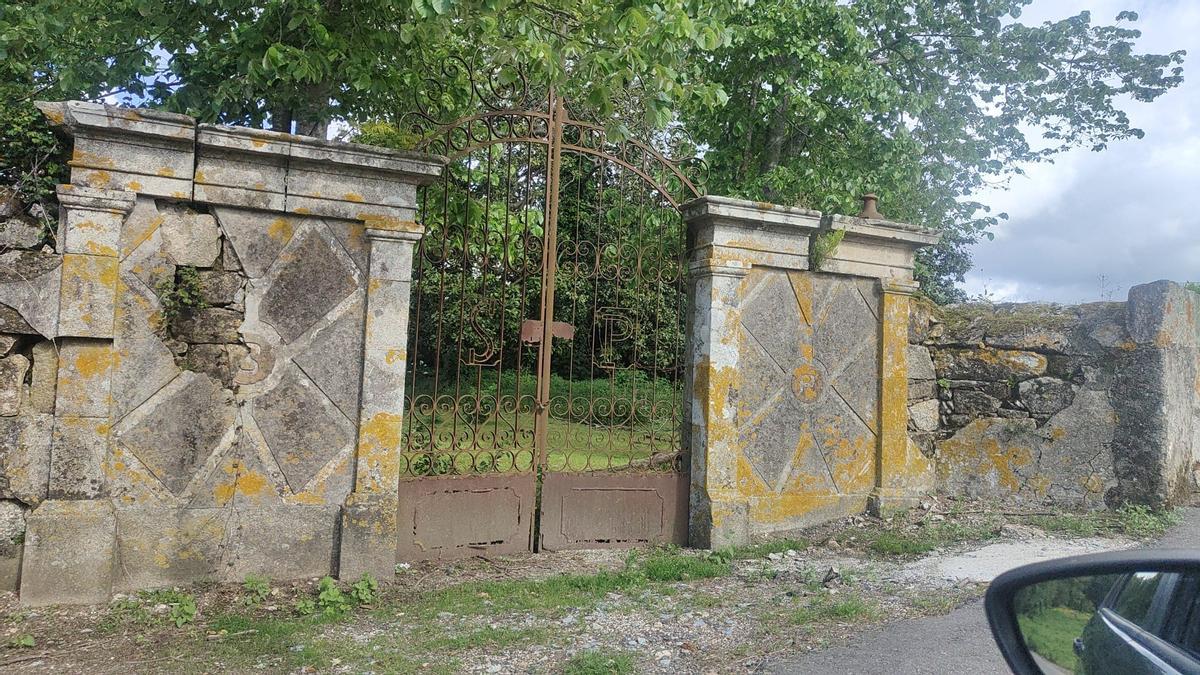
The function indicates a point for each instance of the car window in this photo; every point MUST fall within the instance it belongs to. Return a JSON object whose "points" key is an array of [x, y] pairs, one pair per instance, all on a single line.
{"points": [[1137, 595]]}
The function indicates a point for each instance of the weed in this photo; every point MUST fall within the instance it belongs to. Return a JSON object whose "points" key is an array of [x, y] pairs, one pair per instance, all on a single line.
{"points": [[1079, 525], [826, 607], [184, 611], [257, 589], [823, 246], [24, 640], [363, 591], [182, 605], [330, 599], [1143, 522], [180, 293], [598, 662], [305, 606], [925, 539]]}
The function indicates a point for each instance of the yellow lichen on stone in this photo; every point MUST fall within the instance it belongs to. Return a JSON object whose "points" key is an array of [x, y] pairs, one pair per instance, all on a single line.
{"points": [[281, 230]]}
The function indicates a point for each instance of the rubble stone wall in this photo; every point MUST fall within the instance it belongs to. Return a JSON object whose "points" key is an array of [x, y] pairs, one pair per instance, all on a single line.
{"points": [[181, 375], [1087, 406]]}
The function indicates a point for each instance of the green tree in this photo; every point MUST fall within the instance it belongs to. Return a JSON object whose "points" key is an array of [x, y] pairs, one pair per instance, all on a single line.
{"points": [[924, 102], [306, 61]]}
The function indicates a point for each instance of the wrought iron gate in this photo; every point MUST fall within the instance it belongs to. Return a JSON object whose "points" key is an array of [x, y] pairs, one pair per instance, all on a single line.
{"points": [[544, 398]]}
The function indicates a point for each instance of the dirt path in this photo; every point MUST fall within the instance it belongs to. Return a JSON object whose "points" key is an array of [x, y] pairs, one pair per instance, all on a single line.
{"points": [[758, 608]]}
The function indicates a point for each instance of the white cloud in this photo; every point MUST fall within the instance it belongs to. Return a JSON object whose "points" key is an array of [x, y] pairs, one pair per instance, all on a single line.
{"points": [[1092, 224]]}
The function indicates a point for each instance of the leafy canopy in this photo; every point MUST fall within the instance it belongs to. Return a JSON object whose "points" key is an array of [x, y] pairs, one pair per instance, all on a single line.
{"points": [[924, 102], [796, 101]]}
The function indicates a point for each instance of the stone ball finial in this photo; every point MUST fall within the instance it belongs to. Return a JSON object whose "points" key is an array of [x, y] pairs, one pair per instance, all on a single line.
{"points": [[869, 210]]}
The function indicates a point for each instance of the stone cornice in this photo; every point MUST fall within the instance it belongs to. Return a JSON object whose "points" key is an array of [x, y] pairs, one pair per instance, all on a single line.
{"points": [[234, 166]]}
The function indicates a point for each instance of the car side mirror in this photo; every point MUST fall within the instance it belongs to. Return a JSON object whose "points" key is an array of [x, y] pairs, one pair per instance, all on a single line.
{"points": [[1123, 612]]}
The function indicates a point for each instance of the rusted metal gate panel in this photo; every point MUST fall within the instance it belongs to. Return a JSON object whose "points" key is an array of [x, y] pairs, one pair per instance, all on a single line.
{"points": [[546, 352]]}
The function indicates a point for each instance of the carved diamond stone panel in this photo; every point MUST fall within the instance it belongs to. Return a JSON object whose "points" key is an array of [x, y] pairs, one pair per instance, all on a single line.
{"points": [[310, 282], [301, 426], [333, 359], [816, 337], [177, 429]]}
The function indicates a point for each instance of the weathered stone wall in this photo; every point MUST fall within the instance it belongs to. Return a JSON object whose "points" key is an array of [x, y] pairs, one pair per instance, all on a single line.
{"points": [[180, 382], [798, 376], [1083, 406]]}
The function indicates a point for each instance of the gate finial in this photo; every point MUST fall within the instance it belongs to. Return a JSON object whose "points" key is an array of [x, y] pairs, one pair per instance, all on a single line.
{"points": [[869, 211]]}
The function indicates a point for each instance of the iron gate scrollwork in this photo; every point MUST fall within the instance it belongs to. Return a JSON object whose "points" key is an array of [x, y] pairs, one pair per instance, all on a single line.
{"points": [[544, 396]]}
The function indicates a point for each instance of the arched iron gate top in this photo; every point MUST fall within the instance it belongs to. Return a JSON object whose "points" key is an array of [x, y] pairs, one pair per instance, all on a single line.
{"points": [[507, 115]]}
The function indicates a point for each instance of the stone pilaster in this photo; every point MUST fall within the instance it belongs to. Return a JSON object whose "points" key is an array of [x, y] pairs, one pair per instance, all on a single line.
{"points": [[902, 472], [369, 516], [726, 239]]}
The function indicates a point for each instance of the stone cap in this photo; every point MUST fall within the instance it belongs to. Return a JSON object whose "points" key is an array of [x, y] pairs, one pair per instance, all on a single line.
{"points": [[421, 168], [746, 213], [877, 248], [164, 154], [885, 231], [78, 115]]}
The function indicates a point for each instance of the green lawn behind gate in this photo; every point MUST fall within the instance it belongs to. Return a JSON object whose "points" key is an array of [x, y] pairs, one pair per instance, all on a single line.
{"points": [[609, 423]]}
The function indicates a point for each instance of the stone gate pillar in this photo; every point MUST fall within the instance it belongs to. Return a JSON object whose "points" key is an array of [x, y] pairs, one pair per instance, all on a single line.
{"points": [[798, 379], [369, 517]]}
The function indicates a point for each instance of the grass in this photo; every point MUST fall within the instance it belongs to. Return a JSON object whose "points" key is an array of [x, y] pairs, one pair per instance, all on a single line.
{"points": [[1052, 632], [829, 607], [593, 424], [439, 626], [1133, 520], [905, 542], [598, 662]]}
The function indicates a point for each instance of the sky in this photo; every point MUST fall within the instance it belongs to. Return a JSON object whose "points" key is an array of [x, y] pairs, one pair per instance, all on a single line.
{"points": [[1090, 225]]}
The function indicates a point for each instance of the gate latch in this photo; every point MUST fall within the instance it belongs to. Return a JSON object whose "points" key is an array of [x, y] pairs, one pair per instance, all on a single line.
{"points": [[531, 331]]}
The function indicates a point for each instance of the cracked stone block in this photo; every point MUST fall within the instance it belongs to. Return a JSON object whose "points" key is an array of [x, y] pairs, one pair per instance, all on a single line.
{"points": [[20, 233], [924, 415], [25, 456], [920, 364], [976, 403], [311, 281], [45, 377], [210, 325], [7, 342], [84, 387], [219, 288], [89, 287], [178, 428], [997, 365], [12, 536], [283, 542], [77, 451], [1046, 395], [29, 285], [189, 238], [303, 429], [68, 553], [12, 384], [241, 478], [162, 547], [333, 360], [221, 362], [256, 237], [141, 246]]}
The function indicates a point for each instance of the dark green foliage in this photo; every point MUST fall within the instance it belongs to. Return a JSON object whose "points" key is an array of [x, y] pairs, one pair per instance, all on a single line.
{"points": [[180, 294], [31, 158]]}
